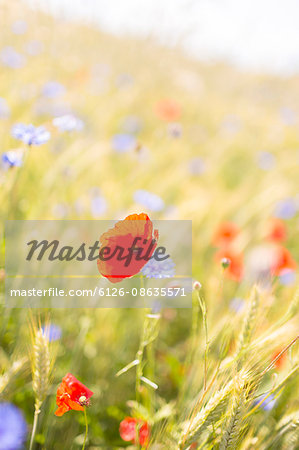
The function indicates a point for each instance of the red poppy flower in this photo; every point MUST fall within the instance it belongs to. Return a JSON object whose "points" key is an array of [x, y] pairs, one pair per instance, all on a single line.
{"points": [[277, 230], [127, 247], [282, 260], [281, 361], [225, 234], [128, 431], [168, 110], [235, 268], [71, 394], [194, 446]]}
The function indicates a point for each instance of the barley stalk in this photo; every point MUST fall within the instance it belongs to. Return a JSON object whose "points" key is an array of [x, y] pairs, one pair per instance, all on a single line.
{"points": [[40, 374], [248, 323], [209, 414], [285, 431]]}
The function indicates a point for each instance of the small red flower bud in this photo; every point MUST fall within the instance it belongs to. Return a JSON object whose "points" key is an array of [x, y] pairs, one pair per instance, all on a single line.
{"points": [[196, 285]]}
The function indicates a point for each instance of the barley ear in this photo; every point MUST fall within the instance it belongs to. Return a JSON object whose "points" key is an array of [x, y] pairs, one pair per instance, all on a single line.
{"points": [[248, 323], [231, 435], [40, 367]]}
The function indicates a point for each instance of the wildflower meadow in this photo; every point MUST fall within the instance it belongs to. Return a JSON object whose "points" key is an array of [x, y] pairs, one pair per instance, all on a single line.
{"points": [[96, 127]]}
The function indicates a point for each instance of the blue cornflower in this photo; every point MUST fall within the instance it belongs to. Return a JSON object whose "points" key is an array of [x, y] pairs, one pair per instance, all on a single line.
{"points": [[123, 143], [287, 277], [156, 306], [149, 200], [231, 124], [30, 135], [53, 89], [11, 159], [13, 428], [98, 206], [175, 130], [197, 166], [52, 332], [10, 58], [285, 209], [4, 109], [124, 80], [68, 122], [288, 116], [159, 269], [266, 160], [19, 27], [268, 404], [60, 210], [34, 48], [237, 304]]}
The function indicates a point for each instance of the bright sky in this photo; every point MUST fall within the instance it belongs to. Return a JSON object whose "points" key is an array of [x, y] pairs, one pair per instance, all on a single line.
{"points": [[257, 34]]}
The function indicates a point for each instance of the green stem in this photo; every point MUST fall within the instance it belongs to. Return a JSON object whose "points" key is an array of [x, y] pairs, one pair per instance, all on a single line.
{"points": [[86, 428], [36, 413]]}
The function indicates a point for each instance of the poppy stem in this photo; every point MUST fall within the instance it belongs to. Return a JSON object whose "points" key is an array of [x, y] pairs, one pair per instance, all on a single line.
{"points": [[86, 428]]}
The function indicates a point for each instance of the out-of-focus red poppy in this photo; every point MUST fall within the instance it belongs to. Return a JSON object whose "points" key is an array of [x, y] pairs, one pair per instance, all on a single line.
{"points": [[225, 234], [128, 430], [194, 446], [71, 394], [281, 361], [235, 268], [282, 260], [277, 230], [135, 235], [168, 110]]}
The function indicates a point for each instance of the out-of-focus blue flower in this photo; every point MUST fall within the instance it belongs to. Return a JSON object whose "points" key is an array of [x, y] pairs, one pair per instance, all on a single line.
{"points": [[268, 404], [10, 58], [13, 428], [266, 160], [31, 135], [159, 269], [132, 124], [34, 48], [11, 159], [52, 332], [287, 277], [156, 306], [60, 210], [68, 122], [237, 304], [45, 108], [98, 206], [149, 200], [197, 166], [124, 80], [231, 124], [175, 130], [285, 209], [53, 89], [4, 109], [288, 116], [19, 27], [123, 143]]}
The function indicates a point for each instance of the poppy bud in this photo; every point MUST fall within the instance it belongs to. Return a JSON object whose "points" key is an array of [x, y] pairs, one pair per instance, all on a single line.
{"points": [[197, 285], [225, 262]]}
